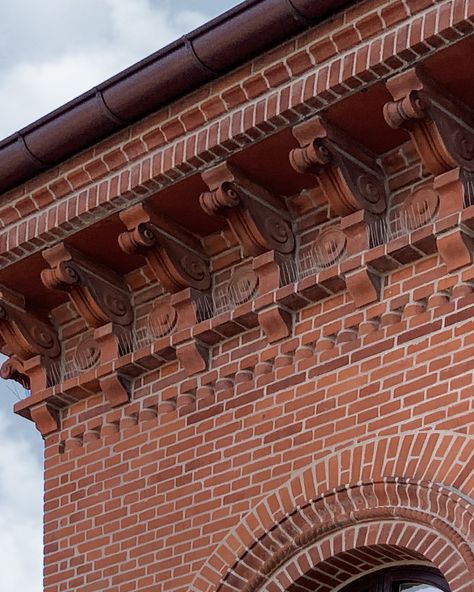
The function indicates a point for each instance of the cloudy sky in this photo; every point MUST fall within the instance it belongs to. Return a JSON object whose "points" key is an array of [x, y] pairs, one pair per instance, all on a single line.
{"points": [[51, 51]]}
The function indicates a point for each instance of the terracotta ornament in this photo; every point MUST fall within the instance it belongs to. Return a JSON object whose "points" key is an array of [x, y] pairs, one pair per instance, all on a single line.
{"points": [[440, 126], [24, 334], [99, 295], [348, 173], [258, 219], [174, 255]]}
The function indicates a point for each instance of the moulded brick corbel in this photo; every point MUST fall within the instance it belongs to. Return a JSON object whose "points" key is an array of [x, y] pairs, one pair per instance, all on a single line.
{"points": [[364, 286], [99, 294], [191, 353], [356, 227], [193, 356], [116, 389], [259, 219], [45, 418], [173, 254], [441, 127], [451, 190], [349, 174], [275, 321], [455, 248]]}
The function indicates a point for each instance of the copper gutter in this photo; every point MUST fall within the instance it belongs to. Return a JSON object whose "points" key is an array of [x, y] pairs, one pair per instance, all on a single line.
{"points": [[183, 66]]}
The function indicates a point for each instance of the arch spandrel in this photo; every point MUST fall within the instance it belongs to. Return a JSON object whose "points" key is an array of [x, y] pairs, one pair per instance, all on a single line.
{"points": [[386, 480]]}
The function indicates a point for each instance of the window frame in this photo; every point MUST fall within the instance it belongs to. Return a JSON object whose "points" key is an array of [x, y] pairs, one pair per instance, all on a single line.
{"points": [[384, 580]]}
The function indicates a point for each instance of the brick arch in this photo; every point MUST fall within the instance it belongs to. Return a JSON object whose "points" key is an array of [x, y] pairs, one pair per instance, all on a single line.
{"points": [[393, 475], [336, 558]]}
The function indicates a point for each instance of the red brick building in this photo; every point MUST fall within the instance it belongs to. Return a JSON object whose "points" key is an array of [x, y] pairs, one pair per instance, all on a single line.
{"points": [[238, 279]]}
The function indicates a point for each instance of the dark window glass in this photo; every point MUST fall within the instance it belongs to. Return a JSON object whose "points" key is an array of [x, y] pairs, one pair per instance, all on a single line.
{"points": [[400, 579]]}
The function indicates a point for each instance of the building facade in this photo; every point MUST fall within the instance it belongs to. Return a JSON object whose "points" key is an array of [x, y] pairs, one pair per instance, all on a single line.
{"points": [[238, 281]]}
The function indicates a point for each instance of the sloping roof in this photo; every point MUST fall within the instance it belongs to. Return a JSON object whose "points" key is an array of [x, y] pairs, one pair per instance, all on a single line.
{"points": [[179, 68]]}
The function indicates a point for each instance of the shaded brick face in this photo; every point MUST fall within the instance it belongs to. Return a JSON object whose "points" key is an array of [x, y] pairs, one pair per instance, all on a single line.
{"points": [[308, 416]]}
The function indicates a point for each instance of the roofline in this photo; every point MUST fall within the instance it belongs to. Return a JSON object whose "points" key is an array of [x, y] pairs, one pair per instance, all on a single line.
{"points": [[168, 74]]}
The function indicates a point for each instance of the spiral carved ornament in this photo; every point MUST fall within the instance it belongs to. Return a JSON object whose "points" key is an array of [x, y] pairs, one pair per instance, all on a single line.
{"points": [[441, 127], [26, 335], [348, 173], [258, 219], [99, 295], [174, 255]]}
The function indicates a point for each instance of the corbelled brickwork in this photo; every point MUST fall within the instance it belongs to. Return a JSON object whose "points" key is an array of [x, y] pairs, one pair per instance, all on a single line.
{"points": [[247, 324]]}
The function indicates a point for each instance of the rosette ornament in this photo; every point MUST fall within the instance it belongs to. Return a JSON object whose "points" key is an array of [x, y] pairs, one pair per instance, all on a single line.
{"points": [[259, 220], [348, 173], [174, 255], [100, 295], [440, 126]]}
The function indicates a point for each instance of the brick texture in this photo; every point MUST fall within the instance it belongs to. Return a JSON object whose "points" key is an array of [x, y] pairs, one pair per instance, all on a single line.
{"points": [[324, 420]]}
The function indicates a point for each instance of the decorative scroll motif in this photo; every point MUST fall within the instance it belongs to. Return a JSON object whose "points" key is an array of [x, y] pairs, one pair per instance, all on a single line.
{"points": [[348, 173], [174, 255], [329, 246], [12, 369], [242, 286], [162, 319], [420, 208], [87, 354], [258, 219], [441, 128], [100, 295], [25, 335]]}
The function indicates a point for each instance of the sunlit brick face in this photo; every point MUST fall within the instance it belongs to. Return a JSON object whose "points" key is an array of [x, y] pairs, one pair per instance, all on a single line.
{"points": [[246, 321]]}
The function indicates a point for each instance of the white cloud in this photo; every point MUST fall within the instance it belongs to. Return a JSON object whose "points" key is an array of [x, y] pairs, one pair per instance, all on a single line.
{"points": [[21, 498], [66, 62]]}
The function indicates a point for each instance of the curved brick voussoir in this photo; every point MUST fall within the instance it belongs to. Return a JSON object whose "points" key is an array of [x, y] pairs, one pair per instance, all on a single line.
{"points": [[373, 481]]}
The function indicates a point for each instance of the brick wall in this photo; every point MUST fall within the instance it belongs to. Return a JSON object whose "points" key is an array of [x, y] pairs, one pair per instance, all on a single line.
{"points": [[330, 433]]}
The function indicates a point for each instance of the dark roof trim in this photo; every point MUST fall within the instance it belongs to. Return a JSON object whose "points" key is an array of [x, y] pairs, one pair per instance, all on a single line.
{"points": [[183, 66]]}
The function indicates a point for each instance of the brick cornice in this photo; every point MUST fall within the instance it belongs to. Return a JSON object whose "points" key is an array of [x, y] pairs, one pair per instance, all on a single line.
{"points": [[167, 147]]}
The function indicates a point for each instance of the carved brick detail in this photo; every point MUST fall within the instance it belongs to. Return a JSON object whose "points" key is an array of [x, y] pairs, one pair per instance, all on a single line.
{"points": [[364, 286], [46, 418], [99, 294], [24, 334], [174, 255], [455, 248], [116, 389], [193, 356], [441, 127], [348, 173], [258, 219], [12, 369], [275, 321], [420, 207]]}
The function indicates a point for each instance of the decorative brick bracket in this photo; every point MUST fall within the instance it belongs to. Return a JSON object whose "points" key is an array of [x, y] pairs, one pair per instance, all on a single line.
{"points": [[174, 255], [99, 295], [348, 173], [363, 283], [191, 353], [258, 219], [274, 319], [364, 286], [33, 345], [103, 300], [455, 247], [441, 127], [25, 335]]}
